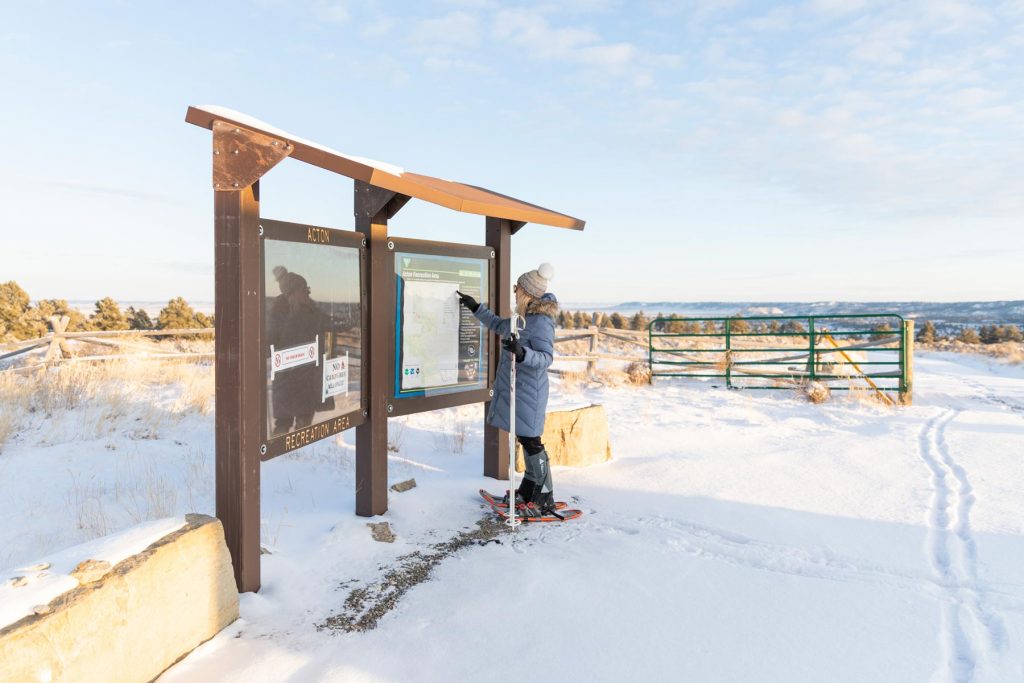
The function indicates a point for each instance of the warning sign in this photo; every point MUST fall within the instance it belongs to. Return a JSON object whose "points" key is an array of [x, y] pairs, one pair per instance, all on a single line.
{"points": [[284, 359], [335, 376]]}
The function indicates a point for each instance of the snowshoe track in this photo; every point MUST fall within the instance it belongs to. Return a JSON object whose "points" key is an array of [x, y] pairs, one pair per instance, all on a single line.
{"points": [[969, 627]]}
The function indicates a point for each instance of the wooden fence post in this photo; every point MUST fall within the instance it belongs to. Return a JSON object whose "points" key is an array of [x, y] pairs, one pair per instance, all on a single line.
{"points": [[58, 345], [592, 364], [907, 364]]}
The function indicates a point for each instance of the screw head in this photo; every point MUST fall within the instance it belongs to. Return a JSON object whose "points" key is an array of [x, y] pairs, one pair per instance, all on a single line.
{"points": [[391, 245], [261, 231], [391, 408], [366, 413], [235, 184], [364, 241], [490, 392], [263, 449], [492, 254], [234, 151]]}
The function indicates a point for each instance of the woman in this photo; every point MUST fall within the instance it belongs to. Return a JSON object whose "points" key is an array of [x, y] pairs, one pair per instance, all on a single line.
{"points": [[533, 351]]}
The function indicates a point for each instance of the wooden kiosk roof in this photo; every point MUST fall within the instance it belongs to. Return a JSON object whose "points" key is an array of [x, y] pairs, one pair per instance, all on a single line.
{"points": [[446, 193]]}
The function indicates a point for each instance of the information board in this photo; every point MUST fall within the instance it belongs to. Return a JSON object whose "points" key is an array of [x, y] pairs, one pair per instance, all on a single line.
{"points": [[312, 333], [440, 347]]}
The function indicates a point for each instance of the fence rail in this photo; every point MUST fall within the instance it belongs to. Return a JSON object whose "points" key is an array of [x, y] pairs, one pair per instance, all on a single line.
{"points": [[747, 352], [593, 356], [58, 350]]}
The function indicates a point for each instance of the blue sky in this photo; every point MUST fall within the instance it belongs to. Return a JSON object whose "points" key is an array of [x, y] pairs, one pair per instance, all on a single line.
{"points": [[827, 149]]}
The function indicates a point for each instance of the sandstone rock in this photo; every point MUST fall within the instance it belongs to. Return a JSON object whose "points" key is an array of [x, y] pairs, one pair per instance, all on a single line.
{"points": [[19, 581], [90, 571], [403, 486], [132, 623], [382, 532], [574, 438]]}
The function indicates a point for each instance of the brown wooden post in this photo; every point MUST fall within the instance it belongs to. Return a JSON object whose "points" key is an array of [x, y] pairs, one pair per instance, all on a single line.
{"points": [[592, 364], [58, 344], [907, 364], [240, 377], [499, 238], [373, 207]]}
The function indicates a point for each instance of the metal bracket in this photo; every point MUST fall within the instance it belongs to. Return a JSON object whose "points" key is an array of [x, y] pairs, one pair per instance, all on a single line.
{"points": [[376, 201], [516, 226], [241, 156]]}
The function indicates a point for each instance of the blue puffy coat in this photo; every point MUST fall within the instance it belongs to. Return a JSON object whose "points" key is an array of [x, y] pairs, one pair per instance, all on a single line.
{"points": [[532, 374]]}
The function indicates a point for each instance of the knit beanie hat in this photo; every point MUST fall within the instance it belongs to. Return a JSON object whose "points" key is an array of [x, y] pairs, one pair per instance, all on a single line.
{"points": [[535, 282]]}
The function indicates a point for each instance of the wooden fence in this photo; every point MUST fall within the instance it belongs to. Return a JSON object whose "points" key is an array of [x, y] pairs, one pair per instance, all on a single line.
{"points": [[56, 348], [593, 356]]}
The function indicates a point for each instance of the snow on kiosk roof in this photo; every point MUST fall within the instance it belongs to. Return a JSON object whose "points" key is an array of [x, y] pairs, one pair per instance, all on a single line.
{"points": [[447, 193], [247, 429]]}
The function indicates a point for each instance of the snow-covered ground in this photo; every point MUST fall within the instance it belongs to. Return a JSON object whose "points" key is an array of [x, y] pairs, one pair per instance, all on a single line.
{"points": [[736, 536]]}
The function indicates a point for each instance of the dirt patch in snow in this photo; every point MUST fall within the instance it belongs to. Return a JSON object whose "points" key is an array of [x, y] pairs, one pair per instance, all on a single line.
{"points": [[365, 606]]}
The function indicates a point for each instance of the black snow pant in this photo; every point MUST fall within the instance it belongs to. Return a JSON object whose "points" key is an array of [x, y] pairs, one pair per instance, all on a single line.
{"points": [[536, 486]]}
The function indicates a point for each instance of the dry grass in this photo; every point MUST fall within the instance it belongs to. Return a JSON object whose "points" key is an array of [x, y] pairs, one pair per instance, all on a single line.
{"points": [[396, 434], [1009, 352]]}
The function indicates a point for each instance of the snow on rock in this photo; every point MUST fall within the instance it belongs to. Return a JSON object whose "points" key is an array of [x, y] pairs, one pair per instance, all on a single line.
{"points": [[26, 588]]}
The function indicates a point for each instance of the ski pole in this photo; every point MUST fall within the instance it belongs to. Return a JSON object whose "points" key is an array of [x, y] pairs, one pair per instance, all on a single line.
{"points": [[511, 521]]}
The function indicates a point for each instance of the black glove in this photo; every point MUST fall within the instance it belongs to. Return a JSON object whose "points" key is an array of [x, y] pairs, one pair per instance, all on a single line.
{"points": [[468, 301], [512, 344]]}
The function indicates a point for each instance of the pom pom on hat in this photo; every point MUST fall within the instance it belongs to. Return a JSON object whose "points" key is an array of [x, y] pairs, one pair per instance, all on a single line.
{"points": [[535, 282]]}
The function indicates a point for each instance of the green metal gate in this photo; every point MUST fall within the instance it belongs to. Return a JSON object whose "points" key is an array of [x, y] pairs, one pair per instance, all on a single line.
{"points": [[868, 351]]}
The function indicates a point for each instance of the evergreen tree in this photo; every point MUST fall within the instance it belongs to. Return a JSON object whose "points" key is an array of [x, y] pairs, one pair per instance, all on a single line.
{"points": [[565, 320], [638, 322], [14, 303], [793, 326], [47, 308], [881, 330], [927, 333], [108, 316], [138, 319], [988, 334], [603, 320], [969, 335], [177, 315], [617, 321], [1012, 333], [581, 320], [709, 327], [738, 325]]}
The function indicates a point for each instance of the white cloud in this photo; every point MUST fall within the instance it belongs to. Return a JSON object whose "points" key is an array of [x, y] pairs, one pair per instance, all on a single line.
{"points": [[331, 11], [455, 32], [836, 7]]}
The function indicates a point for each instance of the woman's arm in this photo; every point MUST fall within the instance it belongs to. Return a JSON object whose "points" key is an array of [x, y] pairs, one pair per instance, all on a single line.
{"points": [[499, 326], [542, 341]]}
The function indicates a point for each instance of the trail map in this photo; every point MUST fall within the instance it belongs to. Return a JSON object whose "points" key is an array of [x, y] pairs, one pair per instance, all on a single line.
{"points": [[439, 344]]}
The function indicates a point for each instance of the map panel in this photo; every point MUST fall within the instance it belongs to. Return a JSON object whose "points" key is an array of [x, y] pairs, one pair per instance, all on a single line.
{"points": [[439, 344]]}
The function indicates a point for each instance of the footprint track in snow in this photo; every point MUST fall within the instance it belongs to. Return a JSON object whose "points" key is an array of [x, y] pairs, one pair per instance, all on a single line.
{"points": [[970, 628]]}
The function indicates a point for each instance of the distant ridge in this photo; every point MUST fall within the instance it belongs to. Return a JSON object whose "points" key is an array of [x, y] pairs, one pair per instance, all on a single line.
{"points": [[952, 314]]}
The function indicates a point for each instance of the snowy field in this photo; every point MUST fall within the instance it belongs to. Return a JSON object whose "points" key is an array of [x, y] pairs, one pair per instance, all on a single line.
{"points": [[734, 537]]}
